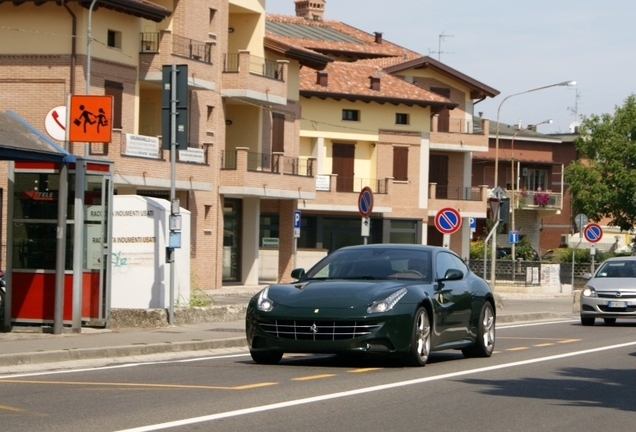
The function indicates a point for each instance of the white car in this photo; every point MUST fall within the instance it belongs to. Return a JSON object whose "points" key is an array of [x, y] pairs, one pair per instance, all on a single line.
{"points": [[611, 292]]}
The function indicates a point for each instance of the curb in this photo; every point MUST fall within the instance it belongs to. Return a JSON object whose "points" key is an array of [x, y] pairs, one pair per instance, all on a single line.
{"points": [[117, 351]]}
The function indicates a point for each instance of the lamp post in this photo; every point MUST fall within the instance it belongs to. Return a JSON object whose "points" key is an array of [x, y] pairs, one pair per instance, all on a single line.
{"points": [[496, 183], [515, 181]]}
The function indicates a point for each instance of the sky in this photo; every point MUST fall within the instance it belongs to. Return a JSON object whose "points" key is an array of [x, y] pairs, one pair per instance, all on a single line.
{"points": [[514, 46]]}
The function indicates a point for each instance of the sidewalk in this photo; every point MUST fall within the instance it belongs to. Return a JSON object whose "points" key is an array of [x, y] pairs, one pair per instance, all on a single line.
{"points": [[33, 346]]}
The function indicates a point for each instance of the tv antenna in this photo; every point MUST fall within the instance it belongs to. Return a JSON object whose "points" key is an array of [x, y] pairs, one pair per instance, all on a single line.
{"points": [[439, 51], [575, 110]]}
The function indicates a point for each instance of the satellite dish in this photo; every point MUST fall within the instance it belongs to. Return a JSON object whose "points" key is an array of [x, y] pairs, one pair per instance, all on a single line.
{"points": [[574, 127]]}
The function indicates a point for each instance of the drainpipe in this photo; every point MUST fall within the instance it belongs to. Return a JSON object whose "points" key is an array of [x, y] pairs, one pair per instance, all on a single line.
{"points": [[73, 49]]}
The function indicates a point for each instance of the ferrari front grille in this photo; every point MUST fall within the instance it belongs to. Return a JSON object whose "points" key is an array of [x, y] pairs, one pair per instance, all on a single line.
{"points": [[319, 330]]}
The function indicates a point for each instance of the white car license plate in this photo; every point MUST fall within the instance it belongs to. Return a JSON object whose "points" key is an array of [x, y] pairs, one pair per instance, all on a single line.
{"points": [[617, 304]]}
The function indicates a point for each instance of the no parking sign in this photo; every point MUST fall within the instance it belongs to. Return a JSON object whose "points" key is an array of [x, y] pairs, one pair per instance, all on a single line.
{"points": [[448, 220]]}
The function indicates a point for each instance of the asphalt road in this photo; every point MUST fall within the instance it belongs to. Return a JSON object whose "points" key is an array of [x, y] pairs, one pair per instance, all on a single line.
{"points": [[542, 377]]}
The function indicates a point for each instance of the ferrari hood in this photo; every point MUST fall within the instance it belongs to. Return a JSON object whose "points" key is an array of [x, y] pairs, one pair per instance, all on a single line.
{"points": [[332, 294]]}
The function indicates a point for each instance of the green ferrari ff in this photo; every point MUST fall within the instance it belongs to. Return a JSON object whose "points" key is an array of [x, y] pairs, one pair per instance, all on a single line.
{"points": [[402, 300]]}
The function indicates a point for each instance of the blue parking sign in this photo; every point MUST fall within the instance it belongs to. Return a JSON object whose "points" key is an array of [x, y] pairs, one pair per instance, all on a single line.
{"points": [[513, 236]]}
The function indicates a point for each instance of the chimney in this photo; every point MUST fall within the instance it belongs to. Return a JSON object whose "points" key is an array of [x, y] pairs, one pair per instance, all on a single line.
{"points": [[375, 83], [310, 9], [322, 78], [378, 38]]}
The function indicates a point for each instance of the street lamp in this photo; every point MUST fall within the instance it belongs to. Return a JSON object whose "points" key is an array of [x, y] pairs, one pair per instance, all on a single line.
{"points": [[494, 241], [515, 181], [564, 83]]}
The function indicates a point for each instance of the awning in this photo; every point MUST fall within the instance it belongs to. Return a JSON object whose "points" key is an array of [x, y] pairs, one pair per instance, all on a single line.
{"points": [[19, 141]]}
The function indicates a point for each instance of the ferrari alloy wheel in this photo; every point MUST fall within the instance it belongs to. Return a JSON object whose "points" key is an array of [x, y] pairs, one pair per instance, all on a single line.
{"points": [[266, 357], [485, 341], [587, 321], [421, 339]]}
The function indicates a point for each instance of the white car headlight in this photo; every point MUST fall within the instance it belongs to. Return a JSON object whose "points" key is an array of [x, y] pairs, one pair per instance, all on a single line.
{"points": [[589, 292], [263, 302], [388, 303]]}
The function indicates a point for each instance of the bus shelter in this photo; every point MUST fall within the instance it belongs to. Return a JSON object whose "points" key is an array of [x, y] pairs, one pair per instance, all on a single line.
{"points": [[57, 231]]}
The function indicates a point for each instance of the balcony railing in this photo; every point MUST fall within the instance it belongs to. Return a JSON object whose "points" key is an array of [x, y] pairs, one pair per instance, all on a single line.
{"points": [[149, 43], [270, 162], [182, 46], [259, 66], [537, 199], [193, 49], [355, 184], [459, 193]]}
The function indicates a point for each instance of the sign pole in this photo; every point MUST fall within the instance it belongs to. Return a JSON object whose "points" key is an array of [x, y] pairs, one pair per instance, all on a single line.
{"points": [[173, 172]]}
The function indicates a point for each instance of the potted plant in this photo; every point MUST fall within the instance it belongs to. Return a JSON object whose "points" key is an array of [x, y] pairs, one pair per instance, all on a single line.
{"points": [[541, 198]]}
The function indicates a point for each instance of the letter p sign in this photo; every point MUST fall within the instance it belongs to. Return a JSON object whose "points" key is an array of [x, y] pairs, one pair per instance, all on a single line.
{"points": [[297, 224]]}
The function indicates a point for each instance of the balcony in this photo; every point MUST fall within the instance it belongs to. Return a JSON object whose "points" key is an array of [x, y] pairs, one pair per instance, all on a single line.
{"points": [[254, 79], [157, 49], [246, 173], [460, 132], [467, 199], [546, 203]]}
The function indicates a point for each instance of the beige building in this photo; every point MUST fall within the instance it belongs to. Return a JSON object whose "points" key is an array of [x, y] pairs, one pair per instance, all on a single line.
{"points": [[384, 117]]}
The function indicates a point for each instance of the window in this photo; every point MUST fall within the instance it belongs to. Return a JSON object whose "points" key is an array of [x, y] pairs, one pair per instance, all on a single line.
{"points": [[269, 231], [350, 115], [114, 39], [401, 163], [401, 118], [116, 90]]}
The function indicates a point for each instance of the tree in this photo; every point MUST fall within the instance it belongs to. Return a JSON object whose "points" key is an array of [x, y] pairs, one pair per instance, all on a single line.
{"points": [[603, 180]]}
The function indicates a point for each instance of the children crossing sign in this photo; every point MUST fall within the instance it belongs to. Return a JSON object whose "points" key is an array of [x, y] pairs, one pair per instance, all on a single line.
{"points": [[91, 119]]}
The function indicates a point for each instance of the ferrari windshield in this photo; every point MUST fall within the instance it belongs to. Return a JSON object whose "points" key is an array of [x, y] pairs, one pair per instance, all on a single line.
{"points": [[376, 263]]}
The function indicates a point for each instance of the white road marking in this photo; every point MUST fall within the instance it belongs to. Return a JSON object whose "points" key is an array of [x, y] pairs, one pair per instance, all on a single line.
{"points": [[314, 399]]}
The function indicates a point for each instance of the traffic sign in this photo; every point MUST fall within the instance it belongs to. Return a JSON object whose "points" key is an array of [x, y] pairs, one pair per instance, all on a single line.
{"points": [[297, 224], [593, 232], [55, 123], [473, 223], [91, 119], [448, 220], [513, 236], [365, 201]]}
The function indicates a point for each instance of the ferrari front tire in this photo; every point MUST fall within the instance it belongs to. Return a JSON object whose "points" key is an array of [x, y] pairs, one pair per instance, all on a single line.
{"points": [[485, 341], [421, 339], [266, 357]]}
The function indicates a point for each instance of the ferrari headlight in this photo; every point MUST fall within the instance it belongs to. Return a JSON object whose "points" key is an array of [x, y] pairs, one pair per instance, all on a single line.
{"points": [[388, 303], [263, 302], [589, 292]]}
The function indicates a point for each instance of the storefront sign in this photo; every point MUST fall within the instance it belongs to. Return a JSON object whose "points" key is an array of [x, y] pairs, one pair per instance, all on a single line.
{"points": [[270, 242], [322, 183], [142, 146], [194, 155]]}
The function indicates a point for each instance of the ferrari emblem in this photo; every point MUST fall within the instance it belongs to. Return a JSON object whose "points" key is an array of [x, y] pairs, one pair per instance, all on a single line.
{"points": [[316, 310]]}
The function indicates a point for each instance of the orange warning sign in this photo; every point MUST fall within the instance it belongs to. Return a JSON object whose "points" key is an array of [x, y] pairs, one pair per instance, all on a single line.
{"points": [[91, 119]]}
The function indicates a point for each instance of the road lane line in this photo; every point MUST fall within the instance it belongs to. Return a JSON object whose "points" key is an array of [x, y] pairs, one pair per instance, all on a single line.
{"points": [[363, 370], [543, 345], [280, 405], [564, 341], [532, 324], [313, 377], [141, 385], [517, 349]]}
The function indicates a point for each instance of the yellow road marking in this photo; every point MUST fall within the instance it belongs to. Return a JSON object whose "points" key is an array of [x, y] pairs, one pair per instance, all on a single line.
{"points": [[529, 338], [313, 377], [496, 352], [544, 344], [517, 349], [362, 370], [9, 408], [569, 340], [20, 410], [142, 385]]}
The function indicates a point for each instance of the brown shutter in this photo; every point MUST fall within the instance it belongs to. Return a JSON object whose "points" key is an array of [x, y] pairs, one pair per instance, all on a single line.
{"points": [[278, 132], [443, 120], [116, 90], [439, 174], [401, 163]]}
